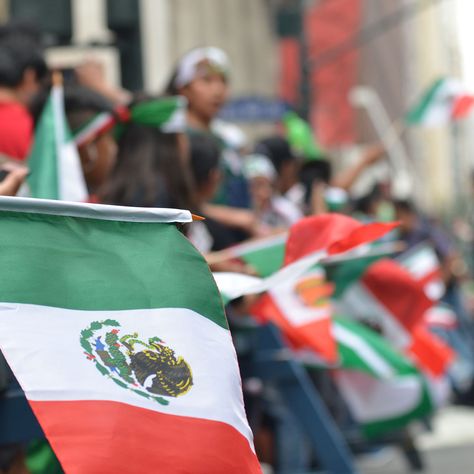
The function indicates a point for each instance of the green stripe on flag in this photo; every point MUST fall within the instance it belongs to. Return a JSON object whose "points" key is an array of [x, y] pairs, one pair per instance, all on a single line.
{"points": [[106, 263], [416, 114], [423, 409], [264, 255], [266, 261], [43, 179], [353, 359]]}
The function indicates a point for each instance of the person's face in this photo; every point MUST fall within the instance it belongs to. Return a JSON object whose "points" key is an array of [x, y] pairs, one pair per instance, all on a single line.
{"points": [[206, 93], [28, 87], [98, 159], [406, 219], [261, 190], [288, 175]]}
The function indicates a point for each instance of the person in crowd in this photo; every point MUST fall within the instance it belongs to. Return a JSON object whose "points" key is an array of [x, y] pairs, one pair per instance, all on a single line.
{"points": [[211, 236], [91, 74], [202, 76], [287, 166], [271, 209], [12, 176], [22, 70], [415, 228], [152, 168]]}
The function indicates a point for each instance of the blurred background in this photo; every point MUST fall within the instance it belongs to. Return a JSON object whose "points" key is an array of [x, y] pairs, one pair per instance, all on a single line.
{"points": [[307, 54]]}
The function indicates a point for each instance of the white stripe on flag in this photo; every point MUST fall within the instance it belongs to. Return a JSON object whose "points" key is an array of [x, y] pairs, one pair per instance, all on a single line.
{"points": [[43, 348], [363, 350]]}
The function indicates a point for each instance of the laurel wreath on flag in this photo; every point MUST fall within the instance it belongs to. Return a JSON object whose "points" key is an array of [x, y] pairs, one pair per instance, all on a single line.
{"points": [[117, 369]]}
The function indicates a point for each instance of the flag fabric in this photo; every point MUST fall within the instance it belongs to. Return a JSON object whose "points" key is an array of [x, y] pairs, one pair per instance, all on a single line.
{"points": [[336, 233], [423, 264], [301, 308], [444, 101], [291, 290], [346, 269], [101, 123], [54, 162], [388, 297], [265, 256], [383, 389], [112, 324], [301, 137], [297, 297]]}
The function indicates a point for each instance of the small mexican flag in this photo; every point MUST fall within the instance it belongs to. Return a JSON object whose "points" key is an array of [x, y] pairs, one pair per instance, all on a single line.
{"points": [[383, 389], [444, 101], [101, 123], [112, 324], [54, 162], [388, 297]]}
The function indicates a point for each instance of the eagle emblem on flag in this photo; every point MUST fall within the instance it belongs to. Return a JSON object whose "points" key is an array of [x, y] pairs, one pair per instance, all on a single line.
{"points": [[150, 369]]}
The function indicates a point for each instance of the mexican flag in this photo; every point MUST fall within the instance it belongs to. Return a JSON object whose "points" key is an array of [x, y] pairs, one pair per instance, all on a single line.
{"points": [[444, 101], [54, 162], [112, 324], [383, 389], [300, 304], [101, 123], [389, 298]]}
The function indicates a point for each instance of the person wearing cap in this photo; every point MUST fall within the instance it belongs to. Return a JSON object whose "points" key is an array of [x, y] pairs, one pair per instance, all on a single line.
{"points": [[202, 76], [272, 209]]}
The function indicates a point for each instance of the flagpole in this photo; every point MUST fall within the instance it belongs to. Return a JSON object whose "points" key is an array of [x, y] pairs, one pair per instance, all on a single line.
{"points": [[389, 133]]}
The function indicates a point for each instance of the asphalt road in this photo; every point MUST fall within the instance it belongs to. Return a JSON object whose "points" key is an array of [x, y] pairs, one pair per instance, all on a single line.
{"points": [[448, 449]]}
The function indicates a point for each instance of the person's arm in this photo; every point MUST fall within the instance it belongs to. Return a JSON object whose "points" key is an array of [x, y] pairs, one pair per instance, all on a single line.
{"points": [[12, 181], [347, 177], [91, 74], [243, 219]]}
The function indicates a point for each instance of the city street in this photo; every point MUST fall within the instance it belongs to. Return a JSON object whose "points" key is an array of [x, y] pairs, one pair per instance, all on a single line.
{"points": [[449, 449]]}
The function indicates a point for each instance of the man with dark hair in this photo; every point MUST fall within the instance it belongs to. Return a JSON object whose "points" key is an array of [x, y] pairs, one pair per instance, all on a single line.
{"points": [[22, 68]]}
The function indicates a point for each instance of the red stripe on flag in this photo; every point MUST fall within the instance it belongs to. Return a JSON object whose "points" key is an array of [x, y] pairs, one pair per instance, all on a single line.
{"points": [[397, 290], [335, 233], [431, 353], [104, 437], [316, 335], [462, 106]]}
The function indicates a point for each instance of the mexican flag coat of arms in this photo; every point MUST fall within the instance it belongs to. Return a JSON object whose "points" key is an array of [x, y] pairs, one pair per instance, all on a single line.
{"points": [[114, 327]]}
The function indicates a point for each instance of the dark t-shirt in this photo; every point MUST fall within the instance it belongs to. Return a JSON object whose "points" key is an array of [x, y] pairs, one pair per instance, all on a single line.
{"points": [[16, 130]]}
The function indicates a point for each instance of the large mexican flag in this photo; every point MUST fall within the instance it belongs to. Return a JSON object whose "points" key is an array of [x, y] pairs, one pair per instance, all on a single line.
{"points": [[113, 325]]}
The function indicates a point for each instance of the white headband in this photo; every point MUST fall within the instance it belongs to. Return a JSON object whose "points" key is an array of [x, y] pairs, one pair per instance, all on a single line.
{"points": [[187, 67]]}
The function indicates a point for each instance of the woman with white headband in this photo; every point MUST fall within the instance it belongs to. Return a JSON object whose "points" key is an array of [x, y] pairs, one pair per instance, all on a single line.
{"points": [[202, 77]]}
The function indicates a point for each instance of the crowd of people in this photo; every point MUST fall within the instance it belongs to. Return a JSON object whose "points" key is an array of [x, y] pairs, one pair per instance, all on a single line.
{"points": [[172, 150]]}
